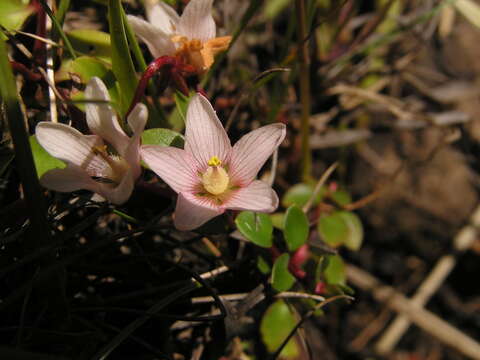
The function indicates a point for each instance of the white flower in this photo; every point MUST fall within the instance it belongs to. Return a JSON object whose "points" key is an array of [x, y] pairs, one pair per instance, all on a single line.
{"points": [[90, 165], [190, 36]]}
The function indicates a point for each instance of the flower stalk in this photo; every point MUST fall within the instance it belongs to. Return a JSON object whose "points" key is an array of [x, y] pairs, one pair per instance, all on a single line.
{"points": [[304, 77]]}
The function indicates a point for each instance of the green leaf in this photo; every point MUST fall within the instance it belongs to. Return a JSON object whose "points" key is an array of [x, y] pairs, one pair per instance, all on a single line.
{"points": [[122, 63], [263, 266], [162, 137], [256, 227], [274, 7], [341, 228], [282, 280], [335, 271], [355, 230], [341, 197], [84, 67], [295, 228], [91, 42], [278, 220], [277, 323], [333, 229], [13, 14], [299, 194], [43, 160]]}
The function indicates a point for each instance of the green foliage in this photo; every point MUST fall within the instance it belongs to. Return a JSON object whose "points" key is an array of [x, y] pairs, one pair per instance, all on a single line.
{"points": [[13, 14], [335, 271], [277, 323], [341, 228], [178, 117], [83, 68], [295, 228], [122, 63], [263, 266], [299, 194], [256, 227], [91, 42], [282, 280], [43, 160], [162, 137], [277, 220], [274, 7], [341, 197]]}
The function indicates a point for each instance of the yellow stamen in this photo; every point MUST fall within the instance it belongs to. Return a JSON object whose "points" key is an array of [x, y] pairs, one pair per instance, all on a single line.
{"points": [[200, 55], [214, 161], [117, 164]]}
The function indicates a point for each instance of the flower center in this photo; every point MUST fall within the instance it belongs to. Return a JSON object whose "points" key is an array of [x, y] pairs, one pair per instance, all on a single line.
{"points": [[117, 164], [186, 45], [215, 180]]}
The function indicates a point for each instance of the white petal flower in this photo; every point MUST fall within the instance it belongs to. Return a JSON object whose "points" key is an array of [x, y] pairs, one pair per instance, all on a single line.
{"points": [[209, 175], [90, 165], [190, 36]]}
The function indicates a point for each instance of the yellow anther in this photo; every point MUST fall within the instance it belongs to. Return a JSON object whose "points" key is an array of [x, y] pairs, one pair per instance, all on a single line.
{"points": [[99, 150], [214, 161]]}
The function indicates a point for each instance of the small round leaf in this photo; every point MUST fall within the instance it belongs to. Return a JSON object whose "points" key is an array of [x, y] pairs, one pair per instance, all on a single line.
{"points": [[277, 323], [295, 228], [256, 227], [282, 280]]}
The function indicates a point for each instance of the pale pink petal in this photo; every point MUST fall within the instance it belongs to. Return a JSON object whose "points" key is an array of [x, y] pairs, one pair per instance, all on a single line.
{"points": [[193, 211], [196, 21], [204, 135], [71, 178], [162, 16], [101, 118], [174, 166], [137, 121], [157, 41], [122, 192], [138, 118], [253, 150], [68, 144], [258, 196]]}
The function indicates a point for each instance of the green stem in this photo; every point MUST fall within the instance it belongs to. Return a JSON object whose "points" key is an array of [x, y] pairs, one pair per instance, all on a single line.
{"points": [[304, 77], [159, 116], [63, 7]]}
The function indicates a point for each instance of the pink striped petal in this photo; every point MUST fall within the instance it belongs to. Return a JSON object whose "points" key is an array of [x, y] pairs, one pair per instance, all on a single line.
{"points": [[174, 166], [193, 211], [162, 16], [253, 150], [196, 21], [69, 145], [157, 41], [205, 136], [258, 196], [69, 179], [101, 118]]}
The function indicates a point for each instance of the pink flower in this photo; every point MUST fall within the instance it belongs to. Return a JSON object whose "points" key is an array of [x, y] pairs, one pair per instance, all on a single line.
{"points": [[209, 175], [90, 164], [190, 37]]}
